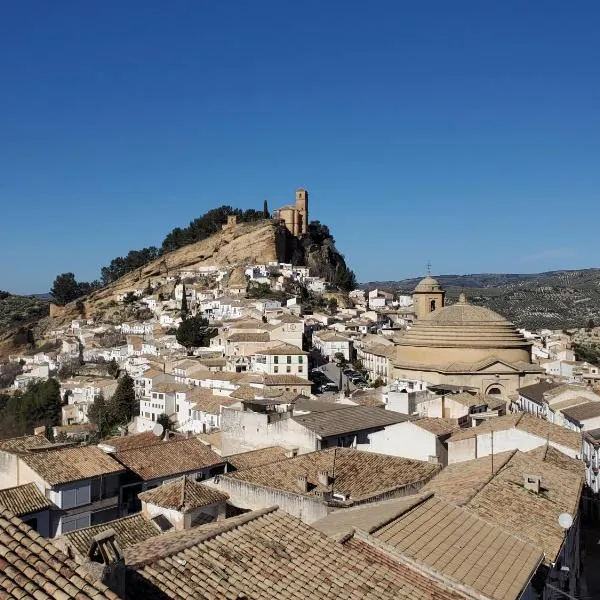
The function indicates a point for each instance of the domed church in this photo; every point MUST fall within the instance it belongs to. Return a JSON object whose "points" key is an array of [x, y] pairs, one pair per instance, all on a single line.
{"points": [[462, 345]]}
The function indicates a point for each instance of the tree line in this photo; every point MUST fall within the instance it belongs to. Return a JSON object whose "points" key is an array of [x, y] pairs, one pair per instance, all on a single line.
{"points": [[66, 288]]}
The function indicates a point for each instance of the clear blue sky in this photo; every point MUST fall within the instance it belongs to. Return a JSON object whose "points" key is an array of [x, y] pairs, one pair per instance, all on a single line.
{"points": [[466, 132]]}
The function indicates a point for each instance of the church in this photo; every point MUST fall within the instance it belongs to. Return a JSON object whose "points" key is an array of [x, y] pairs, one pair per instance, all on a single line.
{"points": [[462, 345], [295, 217]]}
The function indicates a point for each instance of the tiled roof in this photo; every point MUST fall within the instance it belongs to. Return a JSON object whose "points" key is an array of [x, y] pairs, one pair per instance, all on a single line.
{"points": [[368, 398], [129, 531], [137, 440], [257, 458], [524, 422], [534, 516], [557, 458], [285, 380], [248, 392], [169, 458], [258, 336], [71, 464], [467, 399], [214, 439], [348, 420], [459, 482], [212, 403], [536, 391], [437, 426], [24, 499], [580, 413], [31, 567], [183, 495], [271, 555], [460, 545], [356, 474], [24, 444], [282, 350], [167, 387]]}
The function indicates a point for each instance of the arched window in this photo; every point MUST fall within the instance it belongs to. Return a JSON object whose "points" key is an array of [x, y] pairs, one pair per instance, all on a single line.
{"points": [[494, 390], [432, 306]]}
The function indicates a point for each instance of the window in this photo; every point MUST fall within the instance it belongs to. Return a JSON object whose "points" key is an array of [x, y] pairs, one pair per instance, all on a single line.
{"points": [[300, 369], [275, 369], [432, 306], [73, 523], [75, 496], [276, 359], [288, 369], [300, 360], [289, 360]]}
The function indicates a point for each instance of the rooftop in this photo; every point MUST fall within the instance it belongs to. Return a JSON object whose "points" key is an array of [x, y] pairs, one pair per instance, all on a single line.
{"points": [[183, 495], [356, 475], [524, 422], [24, 499], [504, 501], [582, 412], [24, 444], [438, 426], [57, 467], [169, 458], [460, 545], [536, 391], [31, 567], [136, 440], [256, 458], [129, 531], [258, 336], [282, 350], [268, 554], [348, 420]]}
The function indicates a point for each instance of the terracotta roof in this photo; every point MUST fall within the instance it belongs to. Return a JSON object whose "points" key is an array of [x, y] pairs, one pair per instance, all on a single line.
{"points": [[533, 516], [257, 458], [461, 546], [24, 499], [282, 350], [137, 440], [348, 420], [169, 458], [31, 567], [166, 387], [248, 392], [582, 412], [357, 475], [24, 444], [77, 428], [258, 336], [129, 531], [536, 391], [557, 458], [437, 426], [466, 399], [268, 554], [524, 422], [285, 380], [64, 465], [459, 482], [368, 398], [212, 404], [183, 495]]}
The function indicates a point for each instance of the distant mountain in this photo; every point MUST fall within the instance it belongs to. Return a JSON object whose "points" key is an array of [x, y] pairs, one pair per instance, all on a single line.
{"points": [[554, 299]]}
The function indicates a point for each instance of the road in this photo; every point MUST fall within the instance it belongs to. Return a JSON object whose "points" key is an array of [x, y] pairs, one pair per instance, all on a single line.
{"points": [[332, 371]]}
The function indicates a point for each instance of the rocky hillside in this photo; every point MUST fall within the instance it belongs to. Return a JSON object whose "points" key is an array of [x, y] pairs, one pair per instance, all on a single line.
{"points": [[555, 299], [17, 315]]}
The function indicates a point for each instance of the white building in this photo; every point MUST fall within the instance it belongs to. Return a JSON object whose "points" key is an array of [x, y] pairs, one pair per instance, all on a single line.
{"points": [[283, 359], [329, 344]]}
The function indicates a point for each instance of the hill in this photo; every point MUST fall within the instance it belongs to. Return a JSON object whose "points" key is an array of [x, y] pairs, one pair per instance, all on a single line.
{"points": [[17, 315], [554, 299]]}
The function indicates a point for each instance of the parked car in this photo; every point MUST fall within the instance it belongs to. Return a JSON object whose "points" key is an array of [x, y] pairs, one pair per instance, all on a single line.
{"points": [[329, 387]]}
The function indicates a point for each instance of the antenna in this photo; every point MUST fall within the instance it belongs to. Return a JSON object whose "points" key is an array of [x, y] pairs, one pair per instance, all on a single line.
{"points": [[158, 430], [333, 471], [428, 267], [492, 433]]}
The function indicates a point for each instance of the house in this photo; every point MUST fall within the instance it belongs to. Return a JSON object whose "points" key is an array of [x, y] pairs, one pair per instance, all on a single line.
{"points": [[148, 466], [184, 502], [272, 421], [310, 486], [284, 358], [32, 567], [443, 539], [375, 358], [257, 458], [82, 481], [519, 431], [466, 407], [233, 560], [329, 344], [288, 329], [29, 504]]}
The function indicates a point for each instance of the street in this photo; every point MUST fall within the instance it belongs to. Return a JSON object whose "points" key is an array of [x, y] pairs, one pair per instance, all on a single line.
{"points": [[332, 371]]}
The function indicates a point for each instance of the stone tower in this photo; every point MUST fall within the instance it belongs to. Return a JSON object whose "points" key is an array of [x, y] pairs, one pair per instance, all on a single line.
{"points": [[428, 296], [301, 212]]}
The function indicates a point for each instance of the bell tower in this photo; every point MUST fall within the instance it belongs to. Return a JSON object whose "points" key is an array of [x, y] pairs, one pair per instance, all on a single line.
{"points": [[301, 225]]}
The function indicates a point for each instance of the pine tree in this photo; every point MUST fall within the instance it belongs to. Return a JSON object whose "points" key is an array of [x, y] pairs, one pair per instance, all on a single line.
{"points": [[266, 214], [184, 304], [122, 406]]}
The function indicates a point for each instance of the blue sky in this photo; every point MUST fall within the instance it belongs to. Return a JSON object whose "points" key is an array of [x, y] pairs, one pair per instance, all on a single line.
{"points": [[466, 133]]}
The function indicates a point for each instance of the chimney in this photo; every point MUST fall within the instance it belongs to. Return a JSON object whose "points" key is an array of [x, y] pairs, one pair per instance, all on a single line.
{"points": [[533, 483], [41, 430], [324, 478], [302, 483], [291, 453], [105, 562]]}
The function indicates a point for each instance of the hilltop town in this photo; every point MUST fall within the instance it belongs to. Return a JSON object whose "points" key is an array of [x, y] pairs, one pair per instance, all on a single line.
{"points": [[238, 419]]}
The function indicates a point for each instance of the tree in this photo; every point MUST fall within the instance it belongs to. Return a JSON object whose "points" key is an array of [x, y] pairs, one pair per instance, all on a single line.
{"points": [[184, 304], [332, 305], [163, 419], [122, 406], [378, 382], [266, 214], [195, 332], [65, 289], [99, 415], [591, 324], [113, 367], [339, 356]]}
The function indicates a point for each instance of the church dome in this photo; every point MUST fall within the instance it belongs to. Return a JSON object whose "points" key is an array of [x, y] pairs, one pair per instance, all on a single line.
{"points": [[428, 284], [462, 332]]}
